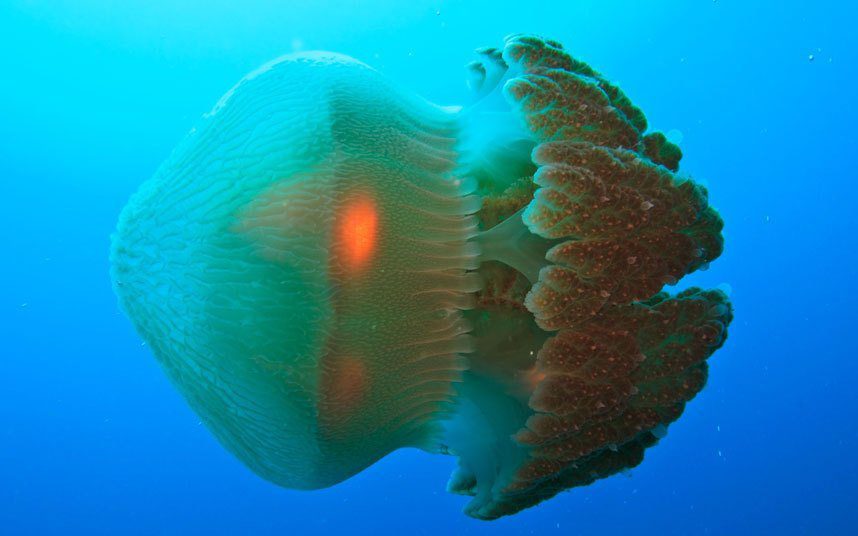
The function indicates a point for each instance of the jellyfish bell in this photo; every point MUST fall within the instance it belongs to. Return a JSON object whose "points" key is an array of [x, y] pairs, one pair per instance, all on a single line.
{"points": [[299, 263], [329, 269]]}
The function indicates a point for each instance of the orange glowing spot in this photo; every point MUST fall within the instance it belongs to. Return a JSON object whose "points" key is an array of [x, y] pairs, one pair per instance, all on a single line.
{"points": [[344, 382], [357, 230]]}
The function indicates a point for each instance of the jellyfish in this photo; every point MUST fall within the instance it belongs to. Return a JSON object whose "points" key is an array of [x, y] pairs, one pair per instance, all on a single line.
{"points": [[329, 269]]}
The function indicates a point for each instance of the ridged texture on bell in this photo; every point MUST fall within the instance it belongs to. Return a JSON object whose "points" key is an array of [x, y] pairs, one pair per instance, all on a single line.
{"points": [[299, 267]]}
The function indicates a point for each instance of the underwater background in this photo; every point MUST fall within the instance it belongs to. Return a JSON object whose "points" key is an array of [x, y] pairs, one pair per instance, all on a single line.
{"points": [[759, 95]]}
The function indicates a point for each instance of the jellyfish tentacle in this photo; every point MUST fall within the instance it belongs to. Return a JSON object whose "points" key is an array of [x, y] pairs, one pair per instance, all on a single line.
{"points": [[608, 389], [657, 148], [632, 227], [463, 481], [627, 371], [565, 99], [624, 358], [486, 71], [534, 54]]}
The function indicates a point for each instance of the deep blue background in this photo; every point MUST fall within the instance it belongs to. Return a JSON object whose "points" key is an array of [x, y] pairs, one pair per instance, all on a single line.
{"points": [[94, 94]]}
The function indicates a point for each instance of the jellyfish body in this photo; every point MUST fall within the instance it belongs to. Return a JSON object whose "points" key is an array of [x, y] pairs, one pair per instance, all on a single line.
{"points": [[330, 269]]}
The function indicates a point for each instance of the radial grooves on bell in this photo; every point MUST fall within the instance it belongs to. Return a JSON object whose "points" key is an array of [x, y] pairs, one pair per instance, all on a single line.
{"points": [[187, 324], [419, 276], [448, 300], [192, 158], [439, 229]]}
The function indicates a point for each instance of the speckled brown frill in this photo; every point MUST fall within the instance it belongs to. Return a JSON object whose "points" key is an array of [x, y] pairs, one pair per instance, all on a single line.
{"points": [[625, 357]]}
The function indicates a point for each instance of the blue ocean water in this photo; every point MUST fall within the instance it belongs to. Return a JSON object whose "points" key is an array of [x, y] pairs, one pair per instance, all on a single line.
{"points": [[95, 94]]}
